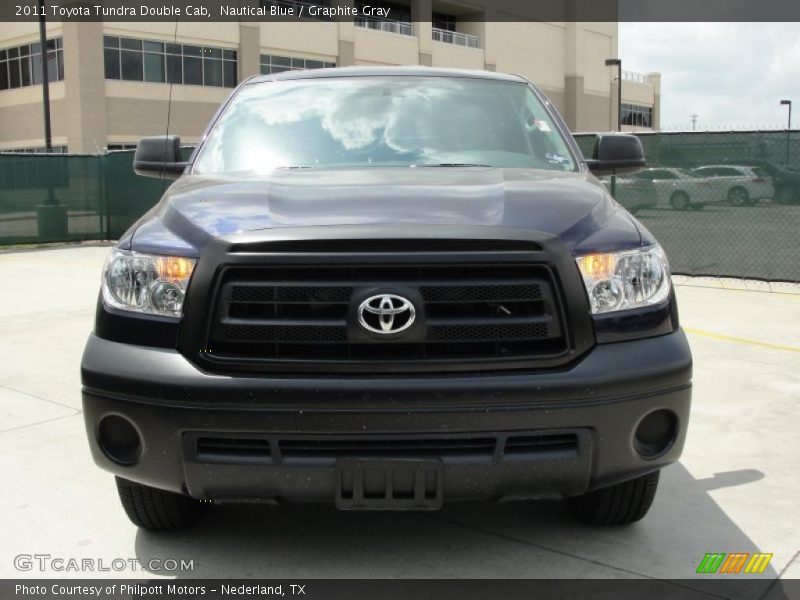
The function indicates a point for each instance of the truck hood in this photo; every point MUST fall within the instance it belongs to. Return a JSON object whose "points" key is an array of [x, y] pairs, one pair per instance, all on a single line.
{"points": [[573, 206]]}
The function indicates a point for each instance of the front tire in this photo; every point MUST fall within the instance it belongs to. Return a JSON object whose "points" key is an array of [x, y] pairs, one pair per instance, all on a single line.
{"points": [[738, 196], [618, 504], [680, 201], [786, 195], [156, 510]]}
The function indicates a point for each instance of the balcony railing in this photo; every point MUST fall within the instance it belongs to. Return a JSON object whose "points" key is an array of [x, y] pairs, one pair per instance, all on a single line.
{"points": [[453, 37], [387, 25], [635, 77]]}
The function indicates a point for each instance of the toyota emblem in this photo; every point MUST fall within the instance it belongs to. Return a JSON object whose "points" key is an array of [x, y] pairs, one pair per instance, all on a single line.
{"points": [[386, 314]]}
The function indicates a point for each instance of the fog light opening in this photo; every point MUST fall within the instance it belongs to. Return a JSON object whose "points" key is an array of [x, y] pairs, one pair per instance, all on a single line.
{"points": [[656, 433], [119, 440]]}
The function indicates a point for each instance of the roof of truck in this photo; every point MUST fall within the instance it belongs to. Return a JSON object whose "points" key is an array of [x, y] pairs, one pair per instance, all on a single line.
{"points": [[413, 71]]}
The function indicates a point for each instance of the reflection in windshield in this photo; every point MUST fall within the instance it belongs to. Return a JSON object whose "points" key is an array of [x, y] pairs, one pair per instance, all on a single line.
{"points": [[383, 121]]}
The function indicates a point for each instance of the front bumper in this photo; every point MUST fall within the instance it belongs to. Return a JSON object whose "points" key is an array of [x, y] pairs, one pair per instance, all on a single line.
{"points": [[597, 403]]}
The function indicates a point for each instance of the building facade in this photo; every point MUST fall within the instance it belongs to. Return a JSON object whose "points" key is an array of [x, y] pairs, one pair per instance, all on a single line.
{"points": [[114, 82]]}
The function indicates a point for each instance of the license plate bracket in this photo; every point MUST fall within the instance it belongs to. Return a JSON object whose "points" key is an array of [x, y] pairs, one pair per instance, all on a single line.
{"points": [[389, 484]]}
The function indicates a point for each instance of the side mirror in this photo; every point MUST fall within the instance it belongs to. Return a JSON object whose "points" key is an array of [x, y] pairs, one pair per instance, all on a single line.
{"points": [[159, 157], [615, 154]]}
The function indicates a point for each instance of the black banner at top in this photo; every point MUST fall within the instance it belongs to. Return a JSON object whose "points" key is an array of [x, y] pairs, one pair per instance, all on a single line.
{"points": [[348, 10]]}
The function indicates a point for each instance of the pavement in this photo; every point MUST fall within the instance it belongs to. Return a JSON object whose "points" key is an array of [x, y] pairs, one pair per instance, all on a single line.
{"points": [[734, 490]]}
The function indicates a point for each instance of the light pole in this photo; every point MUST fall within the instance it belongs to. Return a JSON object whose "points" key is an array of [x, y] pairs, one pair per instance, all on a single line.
{"points": [[788, 127], [48, 139], [51, 218], [789, 120], [611, 62], [694, 117]]}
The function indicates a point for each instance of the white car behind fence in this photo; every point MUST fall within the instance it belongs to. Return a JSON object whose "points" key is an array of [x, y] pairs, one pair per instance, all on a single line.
{"points": [[740, 186]]}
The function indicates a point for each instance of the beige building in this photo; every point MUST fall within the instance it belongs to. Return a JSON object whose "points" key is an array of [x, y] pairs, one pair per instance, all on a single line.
{"points": [[110, 80]]}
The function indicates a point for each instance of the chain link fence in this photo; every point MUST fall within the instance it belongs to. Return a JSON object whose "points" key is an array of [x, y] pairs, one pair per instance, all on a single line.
{"points": [[723, 204]]}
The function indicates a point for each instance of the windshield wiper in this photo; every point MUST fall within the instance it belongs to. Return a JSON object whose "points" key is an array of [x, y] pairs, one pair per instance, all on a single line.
{"points": [[451, 165], [299, 167]]}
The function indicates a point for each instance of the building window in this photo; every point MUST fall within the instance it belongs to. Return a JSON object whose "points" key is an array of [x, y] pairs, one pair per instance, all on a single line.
{"points": [[21, 66], [398, 21], [38, 150], [132, 59], [444, 22], [300, 8], [445, 30], [637, 116], [275, 64], [115, 147]]}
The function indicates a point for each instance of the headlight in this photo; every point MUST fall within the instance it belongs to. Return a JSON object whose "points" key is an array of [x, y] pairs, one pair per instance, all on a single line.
{"points": [[146, 283], [625, 280]]}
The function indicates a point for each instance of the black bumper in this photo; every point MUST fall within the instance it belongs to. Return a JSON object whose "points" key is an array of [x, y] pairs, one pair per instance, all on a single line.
{"points": [[532, 434]]}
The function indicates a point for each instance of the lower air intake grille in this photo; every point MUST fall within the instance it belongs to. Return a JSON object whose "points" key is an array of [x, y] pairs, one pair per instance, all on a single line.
{"points": [[249, 448]]}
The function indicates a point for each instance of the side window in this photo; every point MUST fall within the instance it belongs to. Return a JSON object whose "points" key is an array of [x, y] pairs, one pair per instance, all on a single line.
{"points": [[661, 175], [542, 134]]}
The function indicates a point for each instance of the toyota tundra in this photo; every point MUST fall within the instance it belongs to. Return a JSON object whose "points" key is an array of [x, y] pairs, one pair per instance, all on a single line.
{"points": [[386, 288]]}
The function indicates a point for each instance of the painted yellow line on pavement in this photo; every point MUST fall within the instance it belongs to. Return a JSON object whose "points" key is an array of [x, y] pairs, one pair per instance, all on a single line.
{"points": [[740, 340]]}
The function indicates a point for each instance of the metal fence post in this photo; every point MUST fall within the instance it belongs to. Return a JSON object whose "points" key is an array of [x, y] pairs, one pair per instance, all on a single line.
{"points": [[102, 159]]}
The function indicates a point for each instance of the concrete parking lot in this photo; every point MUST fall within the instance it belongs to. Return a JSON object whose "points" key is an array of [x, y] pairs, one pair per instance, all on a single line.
{"points": [[735, 490]]}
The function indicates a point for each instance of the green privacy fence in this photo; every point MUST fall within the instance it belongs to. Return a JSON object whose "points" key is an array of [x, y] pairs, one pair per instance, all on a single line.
{"points": [[61, 197], [721, 203]]}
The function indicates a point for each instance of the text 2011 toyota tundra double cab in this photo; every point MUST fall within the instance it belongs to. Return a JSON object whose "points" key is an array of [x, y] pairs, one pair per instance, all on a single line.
{"points": [[386, 288]]}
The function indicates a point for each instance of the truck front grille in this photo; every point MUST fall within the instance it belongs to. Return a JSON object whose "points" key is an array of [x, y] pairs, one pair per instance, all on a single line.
{"points": [[296, 315]]}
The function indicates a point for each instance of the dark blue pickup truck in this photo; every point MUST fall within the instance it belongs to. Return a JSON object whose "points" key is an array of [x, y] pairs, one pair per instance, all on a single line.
{"points": [[386, 288]]}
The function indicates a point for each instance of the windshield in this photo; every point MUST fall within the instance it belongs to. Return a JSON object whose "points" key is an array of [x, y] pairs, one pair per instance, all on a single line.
{"points": [[384, 122]]}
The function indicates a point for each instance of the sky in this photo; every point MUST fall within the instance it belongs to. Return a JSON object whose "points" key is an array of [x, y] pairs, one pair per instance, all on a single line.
{"points": [[732, 75]]}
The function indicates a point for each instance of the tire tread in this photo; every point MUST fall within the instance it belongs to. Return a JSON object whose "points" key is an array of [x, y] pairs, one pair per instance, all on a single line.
{"points": [[157, 510], [618, 504]]}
